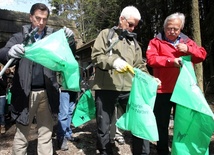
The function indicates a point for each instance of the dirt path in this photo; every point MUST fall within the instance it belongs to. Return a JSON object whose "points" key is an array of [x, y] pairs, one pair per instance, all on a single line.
{"points": [[86, 145]]}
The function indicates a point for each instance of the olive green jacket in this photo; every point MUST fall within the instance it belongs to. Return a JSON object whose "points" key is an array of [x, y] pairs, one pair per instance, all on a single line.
{"points": [[106, 77]]}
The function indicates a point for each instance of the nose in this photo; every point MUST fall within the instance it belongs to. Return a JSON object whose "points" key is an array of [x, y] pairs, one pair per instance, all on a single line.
{"points": [[172, 32], [131, 29], [41, 21]]}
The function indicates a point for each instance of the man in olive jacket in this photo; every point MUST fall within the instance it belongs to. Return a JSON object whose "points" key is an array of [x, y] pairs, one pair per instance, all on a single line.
{"points": [[113, 76]]}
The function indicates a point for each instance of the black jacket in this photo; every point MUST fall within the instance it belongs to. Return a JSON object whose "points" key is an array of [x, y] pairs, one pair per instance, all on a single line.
{"points": [[3, 85], [22, 80]]}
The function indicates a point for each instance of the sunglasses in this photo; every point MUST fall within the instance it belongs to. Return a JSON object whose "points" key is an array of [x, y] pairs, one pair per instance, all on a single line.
{"points": [[130, 24]]}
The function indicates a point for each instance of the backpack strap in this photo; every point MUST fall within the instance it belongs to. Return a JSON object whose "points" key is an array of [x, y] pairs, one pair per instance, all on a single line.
{"points": [[110, 35], [109, 38]]}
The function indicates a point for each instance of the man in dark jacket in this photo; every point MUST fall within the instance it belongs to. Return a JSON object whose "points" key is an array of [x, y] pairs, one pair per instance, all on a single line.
{"points": [[35, 89]]}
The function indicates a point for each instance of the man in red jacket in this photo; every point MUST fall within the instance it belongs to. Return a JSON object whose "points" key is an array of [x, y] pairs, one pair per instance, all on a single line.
{"points": [[163, 55]]}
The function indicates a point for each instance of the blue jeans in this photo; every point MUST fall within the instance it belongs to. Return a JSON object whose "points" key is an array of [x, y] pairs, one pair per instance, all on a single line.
{"points": [[66, 109], [2, 106]]}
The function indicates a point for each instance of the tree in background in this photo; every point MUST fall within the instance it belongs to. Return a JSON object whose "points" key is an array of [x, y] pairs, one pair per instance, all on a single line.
{"points": [[91, 16], [206, 8], [197, 38]]}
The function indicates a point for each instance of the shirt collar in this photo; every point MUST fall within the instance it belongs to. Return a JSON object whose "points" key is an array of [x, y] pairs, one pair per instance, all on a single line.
{"points": [[174, 43], [38, 36]]}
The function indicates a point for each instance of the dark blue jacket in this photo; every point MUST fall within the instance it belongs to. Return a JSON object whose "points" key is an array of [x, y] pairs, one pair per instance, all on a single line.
{"points": [[22, 80]]}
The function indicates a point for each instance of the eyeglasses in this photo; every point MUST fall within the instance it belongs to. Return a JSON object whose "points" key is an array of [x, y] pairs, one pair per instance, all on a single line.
{"points": [[172, 28], [130, 24]]}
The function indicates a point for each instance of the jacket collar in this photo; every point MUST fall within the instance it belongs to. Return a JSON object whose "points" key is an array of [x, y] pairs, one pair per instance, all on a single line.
{"points": [[183, 38]]}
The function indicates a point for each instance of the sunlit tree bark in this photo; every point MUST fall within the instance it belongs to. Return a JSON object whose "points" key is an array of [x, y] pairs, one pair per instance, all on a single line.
{"points": [[197, 38]]}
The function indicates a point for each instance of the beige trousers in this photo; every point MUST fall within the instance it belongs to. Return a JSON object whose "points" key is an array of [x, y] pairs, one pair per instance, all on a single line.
{"points": [[39, 107]]}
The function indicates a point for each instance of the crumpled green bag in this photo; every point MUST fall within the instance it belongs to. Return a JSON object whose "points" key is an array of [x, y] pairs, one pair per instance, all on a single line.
{"points": [[139, 117], [85, 109], [8, 96], [194, 120], [54, 53]]}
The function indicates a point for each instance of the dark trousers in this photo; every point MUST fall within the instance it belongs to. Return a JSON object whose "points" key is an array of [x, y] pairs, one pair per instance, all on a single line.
{"points": [[140, 146], [162, 111], [105, 104]]}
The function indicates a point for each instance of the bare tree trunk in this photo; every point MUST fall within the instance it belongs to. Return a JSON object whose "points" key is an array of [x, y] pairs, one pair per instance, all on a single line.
{"points": [[197, 38]]}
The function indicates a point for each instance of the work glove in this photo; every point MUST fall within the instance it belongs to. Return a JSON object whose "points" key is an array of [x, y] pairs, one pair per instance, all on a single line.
{"points": [[122, 66], [16, 51], [68, 32]]}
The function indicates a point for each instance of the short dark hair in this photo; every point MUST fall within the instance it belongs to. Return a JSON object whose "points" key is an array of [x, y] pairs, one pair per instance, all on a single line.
{"points": [[39, 6]]}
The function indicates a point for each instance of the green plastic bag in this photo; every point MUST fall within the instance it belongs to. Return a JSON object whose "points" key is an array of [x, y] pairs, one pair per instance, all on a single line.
{"points": [[8, 96], [85, 109], [139, 117], [54, 53], [194, 120]]}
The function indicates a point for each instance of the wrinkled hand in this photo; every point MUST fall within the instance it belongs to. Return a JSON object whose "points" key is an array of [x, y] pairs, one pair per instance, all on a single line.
{"points": [[68, 32], [158, 81], [181, 47], [178, 62], [16, 51], [122, 66]]}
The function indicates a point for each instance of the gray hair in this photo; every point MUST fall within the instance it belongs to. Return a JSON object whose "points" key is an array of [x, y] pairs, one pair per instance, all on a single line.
{"points": [[130, 11], [176, 15]]}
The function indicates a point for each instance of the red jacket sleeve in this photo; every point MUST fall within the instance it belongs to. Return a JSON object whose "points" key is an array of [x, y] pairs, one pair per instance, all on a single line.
{"points": [[198, 53], [161, 53]]}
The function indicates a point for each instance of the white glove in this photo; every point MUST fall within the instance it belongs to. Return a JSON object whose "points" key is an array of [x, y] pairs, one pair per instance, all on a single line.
{"points": [[16, 51], [122, 66], [68, 32]]}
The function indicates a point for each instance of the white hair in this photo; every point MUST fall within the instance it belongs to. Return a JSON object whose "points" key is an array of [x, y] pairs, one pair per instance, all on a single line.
{"points": [[130, 11], [176, 15]]}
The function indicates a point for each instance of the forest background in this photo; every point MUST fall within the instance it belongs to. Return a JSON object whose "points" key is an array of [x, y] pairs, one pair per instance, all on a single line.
{"points": [[91, 16]]}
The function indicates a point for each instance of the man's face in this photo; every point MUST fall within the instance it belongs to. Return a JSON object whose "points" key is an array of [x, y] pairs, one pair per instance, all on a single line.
{"points": [[173, 29], [39, 19], [128, 24]]}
